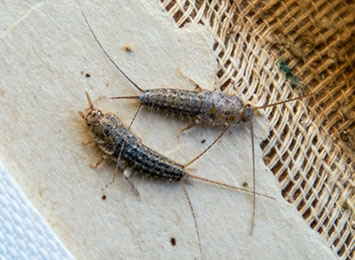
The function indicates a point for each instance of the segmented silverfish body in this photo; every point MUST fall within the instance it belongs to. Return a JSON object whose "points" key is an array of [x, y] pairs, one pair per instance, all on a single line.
{"points": [[116, 141], [120, 145], [204, 106]]}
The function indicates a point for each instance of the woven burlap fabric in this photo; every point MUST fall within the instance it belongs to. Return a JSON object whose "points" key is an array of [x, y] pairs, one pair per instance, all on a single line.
{"points": [[270, 51]]}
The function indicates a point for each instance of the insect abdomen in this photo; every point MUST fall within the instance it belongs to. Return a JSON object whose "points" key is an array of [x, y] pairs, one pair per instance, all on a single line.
{"points": [[143, 159], [173, 101]]}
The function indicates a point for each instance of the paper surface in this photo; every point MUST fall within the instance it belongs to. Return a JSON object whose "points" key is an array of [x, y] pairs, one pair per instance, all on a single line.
{"points": [[49, 60]]}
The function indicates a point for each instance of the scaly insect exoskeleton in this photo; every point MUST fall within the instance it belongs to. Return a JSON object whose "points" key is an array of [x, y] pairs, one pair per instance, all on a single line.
{"points": [[120, 145], [213, 108]]}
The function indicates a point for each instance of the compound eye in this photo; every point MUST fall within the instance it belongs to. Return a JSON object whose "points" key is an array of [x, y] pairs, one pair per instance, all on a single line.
{"points": [[248, 113]]}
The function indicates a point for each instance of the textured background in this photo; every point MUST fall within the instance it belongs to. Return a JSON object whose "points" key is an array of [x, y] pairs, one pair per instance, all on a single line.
{"points": [[24, 234], [274, 50]]}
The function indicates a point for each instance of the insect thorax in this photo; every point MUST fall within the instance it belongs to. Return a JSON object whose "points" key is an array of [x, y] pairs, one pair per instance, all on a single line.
{"points": [[116, 141], [220, 109]]}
